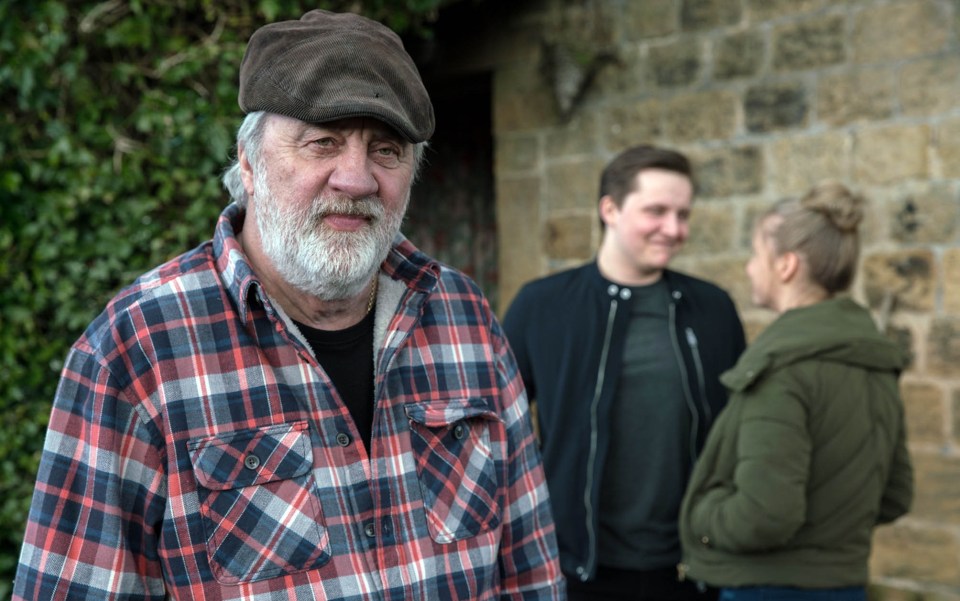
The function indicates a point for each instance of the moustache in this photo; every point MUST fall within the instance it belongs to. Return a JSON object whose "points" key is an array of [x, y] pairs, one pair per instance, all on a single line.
{"points": [[370, 207]]}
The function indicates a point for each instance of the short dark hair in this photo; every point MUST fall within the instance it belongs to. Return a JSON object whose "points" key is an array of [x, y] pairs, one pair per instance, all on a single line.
{"points": [[619, 176]]}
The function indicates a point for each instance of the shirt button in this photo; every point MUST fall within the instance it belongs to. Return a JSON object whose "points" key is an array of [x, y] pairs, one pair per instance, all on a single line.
{"points": [[251, 462], [370, 530], [705, 540], [343, 439], [459, 431]]}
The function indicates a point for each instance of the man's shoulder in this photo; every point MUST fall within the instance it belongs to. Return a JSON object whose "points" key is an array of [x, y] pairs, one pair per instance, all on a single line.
{"points": [[561, 280], [187, 274]]}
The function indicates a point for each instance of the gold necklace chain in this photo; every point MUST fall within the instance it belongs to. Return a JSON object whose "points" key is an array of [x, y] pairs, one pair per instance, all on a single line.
{"points": [[373, 294]]}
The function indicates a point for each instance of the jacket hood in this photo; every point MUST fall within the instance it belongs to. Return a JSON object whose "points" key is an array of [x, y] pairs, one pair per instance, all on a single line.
{"points": [[837, 330]]}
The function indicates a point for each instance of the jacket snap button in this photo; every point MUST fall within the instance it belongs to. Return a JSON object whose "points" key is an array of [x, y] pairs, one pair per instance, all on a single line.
{"points": [[459, 431], [343, 439], [251, 462], [369, 530]]}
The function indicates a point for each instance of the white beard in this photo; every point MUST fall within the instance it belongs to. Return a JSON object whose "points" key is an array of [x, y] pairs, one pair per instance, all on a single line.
{"points": [[326, 263]]}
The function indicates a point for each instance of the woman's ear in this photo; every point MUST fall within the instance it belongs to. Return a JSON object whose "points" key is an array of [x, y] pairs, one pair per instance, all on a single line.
{"points": [[788, 266]]}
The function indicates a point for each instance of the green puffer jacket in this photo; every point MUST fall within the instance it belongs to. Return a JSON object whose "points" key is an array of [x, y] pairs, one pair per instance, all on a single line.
{"points": [[809, 455]]}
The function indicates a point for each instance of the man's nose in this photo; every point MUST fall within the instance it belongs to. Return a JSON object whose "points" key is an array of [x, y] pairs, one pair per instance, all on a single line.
{"points": [[353, 173], [671, 225]]}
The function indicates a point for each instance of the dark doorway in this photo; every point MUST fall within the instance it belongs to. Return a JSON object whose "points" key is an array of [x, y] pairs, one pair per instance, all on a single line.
{"points": [[451, 215]]}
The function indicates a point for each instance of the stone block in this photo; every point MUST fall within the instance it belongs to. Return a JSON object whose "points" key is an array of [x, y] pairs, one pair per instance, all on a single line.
{"points": [[915, 553], [947, 147], [628, 77], [751, 213], [887, 154], [516, 153], [929, 214], [630, 124], [573, 185], [520, 248], [700, 116], [571, 237], [521, 101], [770, 107], [712, 227], [578, 137], [950, 282], [799, 162], [955, 422], [728, 171], [897, 30], [675, 64], [937, 491], [767, 10], [875, 227], [930, 86], [809, 44], [648, 19], [908, 275], [925, 407], [943, 349], [738, 55], [700, 15], [852, 96]]}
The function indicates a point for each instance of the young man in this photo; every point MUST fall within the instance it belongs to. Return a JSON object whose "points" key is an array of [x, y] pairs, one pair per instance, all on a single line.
{"points": [[622, 357], [305, 407]]}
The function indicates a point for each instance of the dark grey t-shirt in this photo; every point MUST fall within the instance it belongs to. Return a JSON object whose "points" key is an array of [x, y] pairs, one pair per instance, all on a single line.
{"points": [[648, 459]]}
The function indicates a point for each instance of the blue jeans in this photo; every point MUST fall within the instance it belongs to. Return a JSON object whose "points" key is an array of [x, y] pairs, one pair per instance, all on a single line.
{"points": [[783, 593]]}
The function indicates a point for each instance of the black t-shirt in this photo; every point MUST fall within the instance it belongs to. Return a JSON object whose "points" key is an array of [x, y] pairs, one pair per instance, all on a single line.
{"points": [[648, 457], [347, 357]]}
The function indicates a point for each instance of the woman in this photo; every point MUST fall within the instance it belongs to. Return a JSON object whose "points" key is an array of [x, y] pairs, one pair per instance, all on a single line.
{"points": [[810, 454]]}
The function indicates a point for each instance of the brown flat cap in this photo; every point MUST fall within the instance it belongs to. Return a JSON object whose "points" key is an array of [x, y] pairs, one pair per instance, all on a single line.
{"points": [[329, 66]]}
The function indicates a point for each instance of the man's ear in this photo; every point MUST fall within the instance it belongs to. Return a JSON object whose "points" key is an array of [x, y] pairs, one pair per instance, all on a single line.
{"points": [[608, 209], [246, 170]]}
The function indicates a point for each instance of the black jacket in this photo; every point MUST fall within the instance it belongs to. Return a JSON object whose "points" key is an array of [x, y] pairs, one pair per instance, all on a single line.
{"points": [[568, 331]]}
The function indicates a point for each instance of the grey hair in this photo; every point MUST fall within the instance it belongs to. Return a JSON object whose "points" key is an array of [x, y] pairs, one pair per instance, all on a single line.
{"points": [[250, 137]]}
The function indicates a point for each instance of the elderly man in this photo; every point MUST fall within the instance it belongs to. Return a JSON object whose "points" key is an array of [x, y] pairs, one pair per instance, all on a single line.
{"points": [[305, 407]]}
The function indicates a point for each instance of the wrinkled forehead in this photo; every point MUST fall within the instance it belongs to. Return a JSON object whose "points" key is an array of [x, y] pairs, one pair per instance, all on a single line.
{"points": [[282, 125]]}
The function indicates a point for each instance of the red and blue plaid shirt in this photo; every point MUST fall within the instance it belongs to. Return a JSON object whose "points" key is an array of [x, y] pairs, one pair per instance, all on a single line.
{"points": [[197, 450]]}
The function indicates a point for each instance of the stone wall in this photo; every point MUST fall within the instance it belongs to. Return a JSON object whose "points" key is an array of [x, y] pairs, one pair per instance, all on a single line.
{"points": [[767, 97]]}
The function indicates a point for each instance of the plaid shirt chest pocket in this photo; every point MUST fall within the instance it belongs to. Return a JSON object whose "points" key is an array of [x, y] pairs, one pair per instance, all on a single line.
{"points": [[257, 502], [459, 448]]}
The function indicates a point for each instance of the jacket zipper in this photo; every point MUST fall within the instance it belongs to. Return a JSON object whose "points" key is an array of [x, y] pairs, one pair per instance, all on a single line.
{"points": [[701, 379], [584, 571], [687, 394]]}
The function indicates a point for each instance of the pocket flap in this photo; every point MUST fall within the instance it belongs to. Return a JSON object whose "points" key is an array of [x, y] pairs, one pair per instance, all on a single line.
{"points": [[437, 414], [252, 457]]}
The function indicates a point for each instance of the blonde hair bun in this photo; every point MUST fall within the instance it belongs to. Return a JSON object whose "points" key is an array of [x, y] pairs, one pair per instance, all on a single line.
{"points": [[839, 204]]}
